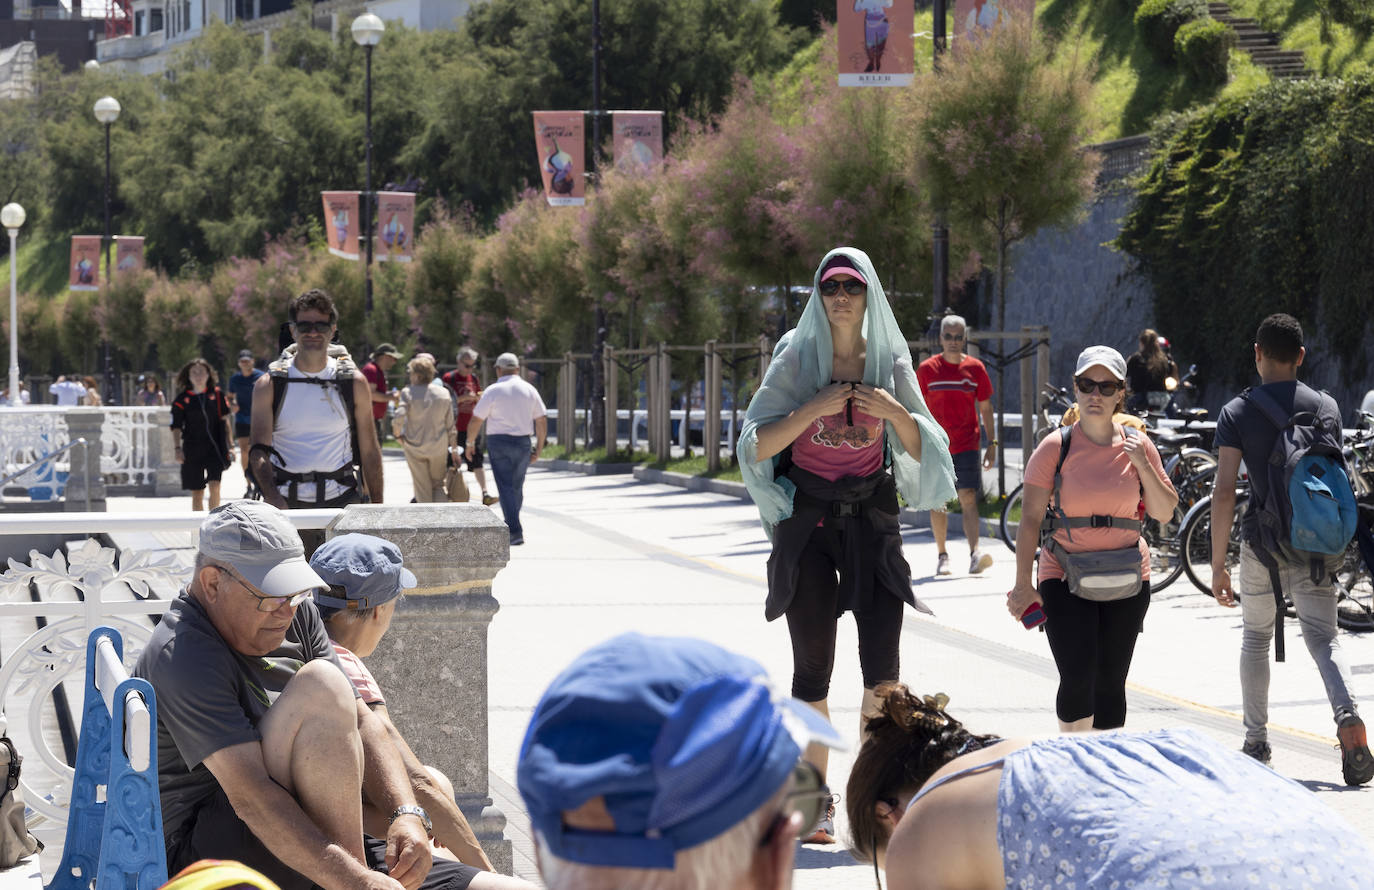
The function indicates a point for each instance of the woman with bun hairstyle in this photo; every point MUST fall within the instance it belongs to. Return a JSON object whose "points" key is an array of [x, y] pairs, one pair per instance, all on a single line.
{"points": [[1097, 479], [836, 430], [938, 806]]}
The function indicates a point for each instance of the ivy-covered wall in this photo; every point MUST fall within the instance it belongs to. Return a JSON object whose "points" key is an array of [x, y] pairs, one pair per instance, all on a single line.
{"points": [[1261, 205]]}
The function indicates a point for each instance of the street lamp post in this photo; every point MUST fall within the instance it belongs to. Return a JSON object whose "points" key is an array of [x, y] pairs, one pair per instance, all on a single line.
{"points": [[12, 216], [940, 230], [107, 112], [367, 32]]}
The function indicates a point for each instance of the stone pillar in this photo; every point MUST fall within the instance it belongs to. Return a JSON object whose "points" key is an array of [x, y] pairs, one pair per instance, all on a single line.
{"points": [[432, 663], [85, 423], [162, 456]]}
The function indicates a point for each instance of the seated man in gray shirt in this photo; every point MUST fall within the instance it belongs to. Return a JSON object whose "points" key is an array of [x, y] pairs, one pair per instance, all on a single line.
{"points": [[263, 746]]}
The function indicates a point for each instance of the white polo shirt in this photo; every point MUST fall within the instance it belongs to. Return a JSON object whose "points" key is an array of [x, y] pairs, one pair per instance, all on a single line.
{"points": [[509, 407]]}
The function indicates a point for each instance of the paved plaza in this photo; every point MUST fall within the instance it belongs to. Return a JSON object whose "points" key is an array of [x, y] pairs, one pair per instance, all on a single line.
{"points": [[609, 554]]}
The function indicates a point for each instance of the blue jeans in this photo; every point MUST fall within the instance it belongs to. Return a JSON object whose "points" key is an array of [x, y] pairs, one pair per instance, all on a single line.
{"points": [[509, 457]]}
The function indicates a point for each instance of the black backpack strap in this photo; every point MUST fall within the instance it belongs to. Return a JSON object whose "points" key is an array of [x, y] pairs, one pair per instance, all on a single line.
{"points": [[1270, 563], [1056, 510], [344, 380], [1269, 407]]}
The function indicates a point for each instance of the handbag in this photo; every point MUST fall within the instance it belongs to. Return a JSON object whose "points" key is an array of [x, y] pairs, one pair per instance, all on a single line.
{"points": [[454, 483], [16, 842]]}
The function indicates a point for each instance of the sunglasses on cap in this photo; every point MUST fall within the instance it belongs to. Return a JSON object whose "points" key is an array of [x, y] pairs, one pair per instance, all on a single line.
{"points": [[810, 797], [853, 287], [1108, 388]]}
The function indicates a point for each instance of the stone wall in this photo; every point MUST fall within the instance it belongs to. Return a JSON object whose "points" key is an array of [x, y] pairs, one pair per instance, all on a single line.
{"points": [[1070, 279]]}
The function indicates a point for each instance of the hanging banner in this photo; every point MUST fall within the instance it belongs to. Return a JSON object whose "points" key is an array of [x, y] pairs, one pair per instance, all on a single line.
{"points": [[877, 43], [128, 254], [395, 226], [342, 223], [559, 140], [972, 16], [85, 265], [638, 139]]}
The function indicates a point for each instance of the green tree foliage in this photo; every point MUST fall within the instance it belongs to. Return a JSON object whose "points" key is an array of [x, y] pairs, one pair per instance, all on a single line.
{"points": [[999, 135], [1159, 20], [1203, 47], [1262, 203]]}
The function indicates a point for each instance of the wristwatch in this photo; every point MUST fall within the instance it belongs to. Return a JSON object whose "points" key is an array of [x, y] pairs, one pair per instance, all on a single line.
{"points": [[411, 809]]}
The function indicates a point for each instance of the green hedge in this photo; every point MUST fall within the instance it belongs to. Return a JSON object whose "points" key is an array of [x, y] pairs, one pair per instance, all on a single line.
{"points": [[1256, 205], [1203, 47], [1355, 14], [1159, 20]]}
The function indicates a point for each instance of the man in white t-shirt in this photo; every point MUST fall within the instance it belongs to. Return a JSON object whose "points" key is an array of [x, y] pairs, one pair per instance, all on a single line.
{"points": [[69, 393], [512, 411]]}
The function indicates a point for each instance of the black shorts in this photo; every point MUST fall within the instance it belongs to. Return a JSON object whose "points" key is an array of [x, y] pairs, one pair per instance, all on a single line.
{"points": [[474, 462], [216, 832], [968, 469], [197, 469], [242, 430]]}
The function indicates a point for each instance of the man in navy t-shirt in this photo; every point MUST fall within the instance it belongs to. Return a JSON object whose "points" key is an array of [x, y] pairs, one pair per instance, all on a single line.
{"points": [[241, 402], [1244, 432]]}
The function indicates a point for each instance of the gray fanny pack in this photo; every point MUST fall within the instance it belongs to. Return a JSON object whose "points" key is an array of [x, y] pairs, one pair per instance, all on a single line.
{"points": [[1100, 575]]}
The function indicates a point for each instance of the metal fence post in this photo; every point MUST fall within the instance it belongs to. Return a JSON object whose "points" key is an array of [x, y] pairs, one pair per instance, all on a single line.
{"points": [[1026, 368], [1042, 371], [663, 420]]}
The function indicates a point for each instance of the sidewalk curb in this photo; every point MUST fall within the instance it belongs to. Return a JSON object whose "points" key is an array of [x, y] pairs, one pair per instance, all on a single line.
{"points": [[584, 467]]}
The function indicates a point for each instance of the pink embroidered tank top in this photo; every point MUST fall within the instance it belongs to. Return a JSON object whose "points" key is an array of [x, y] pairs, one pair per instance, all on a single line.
{"points": [[849, 443]]}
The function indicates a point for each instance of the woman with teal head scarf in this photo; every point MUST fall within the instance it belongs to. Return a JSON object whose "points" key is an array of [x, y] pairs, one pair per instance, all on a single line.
{"points": [[837, 428]]}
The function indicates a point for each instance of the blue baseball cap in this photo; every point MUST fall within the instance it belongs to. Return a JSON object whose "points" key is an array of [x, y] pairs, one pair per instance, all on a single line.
{"points": [[368, 569], [680, 738]]}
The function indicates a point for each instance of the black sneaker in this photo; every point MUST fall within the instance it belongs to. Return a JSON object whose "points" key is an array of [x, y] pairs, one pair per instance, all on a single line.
{"points": [[1357, 765], [1258, 750]]}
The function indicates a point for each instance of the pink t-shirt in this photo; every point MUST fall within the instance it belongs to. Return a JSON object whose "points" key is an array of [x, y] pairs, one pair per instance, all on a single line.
{"points": [[359, 675], [1097, 480], [832, 448]]}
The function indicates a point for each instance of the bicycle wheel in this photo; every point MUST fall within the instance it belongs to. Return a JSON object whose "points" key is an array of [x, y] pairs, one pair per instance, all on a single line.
{"points": [[1355, 591], [1166, 549], [1197, 544], [1192, 477], [1011, 517]]}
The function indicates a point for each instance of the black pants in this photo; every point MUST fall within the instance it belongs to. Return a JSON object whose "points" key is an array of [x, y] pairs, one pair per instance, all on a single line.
{"points": [[218, 833], [814, 613], [1092, 645]]}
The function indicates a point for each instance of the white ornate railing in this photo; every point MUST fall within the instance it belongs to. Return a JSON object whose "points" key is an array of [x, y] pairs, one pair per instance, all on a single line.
{"points": [[26, 434], [88, 586], [129, 450]]}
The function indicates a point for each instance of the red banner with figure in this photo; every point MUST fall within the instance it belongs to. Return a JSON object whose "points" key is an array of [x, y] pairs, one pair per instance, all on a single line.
{"points": [[562, 156], [877, 46], [972, 16], [128, 254], [395, 226], [84, 269], [638, 139], [342, 223]]}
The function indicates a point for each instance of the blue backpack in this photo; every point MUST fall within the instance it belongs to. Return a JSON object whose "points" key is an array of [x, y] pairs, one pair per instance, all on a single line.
{"points": [[1309, 514]]}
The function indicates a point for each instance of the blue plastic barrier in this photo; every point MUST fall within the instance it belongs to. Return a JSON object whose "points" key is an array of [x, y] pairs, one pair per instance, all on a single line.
{"points": [[114, 824]]}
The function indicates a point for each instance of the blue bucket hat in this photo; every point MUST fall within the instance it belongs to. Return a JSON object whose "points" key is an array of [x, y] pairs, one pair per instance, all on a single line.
{"points": [[681, 739], [368, 569]]}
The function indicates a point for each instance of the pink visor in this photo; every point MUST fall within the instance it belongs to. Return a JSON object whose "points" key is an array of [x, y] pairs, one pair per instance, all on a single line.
{"points": [[840, 268]]}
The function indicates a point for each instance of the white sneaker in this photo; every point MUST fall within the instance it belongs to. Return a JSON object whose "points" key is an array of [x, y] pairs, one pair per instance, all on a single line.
{"points": [[942, 564], [979, 562]]}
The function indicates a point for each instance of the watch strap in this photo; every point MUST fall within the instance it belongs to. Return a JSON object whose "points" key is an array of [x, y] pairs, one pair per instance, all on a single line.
{"points": [[412, 810]]}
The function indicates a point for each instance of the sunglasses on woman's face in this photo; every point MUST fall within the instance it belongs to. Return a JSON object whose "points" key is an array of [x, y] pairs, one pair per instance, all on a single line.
{"points": [[809, 796], [853, 287], [1108, 388]]}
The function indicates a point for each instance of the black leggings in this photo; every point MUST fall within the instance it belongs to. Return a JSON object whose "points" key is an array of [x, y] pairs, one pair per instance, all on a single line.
{"points": [[812, 619], [1092, 645]]}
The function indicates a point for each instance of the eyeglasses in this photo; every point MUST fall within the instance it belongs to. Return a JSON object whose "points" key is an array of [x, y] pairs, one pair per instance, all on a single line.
{"points": [[1108, 388], [809, 796], [853, 287], [312, 327], [954, 337], [267, 603]]}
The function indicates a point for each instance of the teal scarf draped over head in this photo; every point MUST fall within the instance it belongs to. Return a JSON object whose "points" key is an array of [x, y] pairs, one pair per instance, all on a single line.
{"points": [[802, 365]]}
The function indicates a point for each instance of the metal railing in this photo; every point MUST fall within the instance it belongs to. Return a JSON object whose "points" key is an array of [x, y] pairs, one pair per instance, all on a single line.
{"points": [[47, 457]]}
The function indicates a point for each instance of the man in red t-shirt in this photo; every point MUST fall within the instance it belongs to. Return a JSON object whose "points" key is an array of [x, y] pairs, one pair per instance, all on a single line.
{"points": [[384, 358], [957, 391], [467, 389]]}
